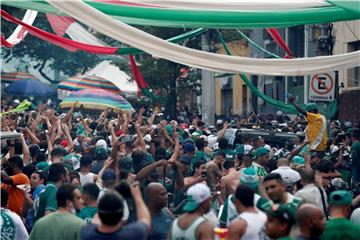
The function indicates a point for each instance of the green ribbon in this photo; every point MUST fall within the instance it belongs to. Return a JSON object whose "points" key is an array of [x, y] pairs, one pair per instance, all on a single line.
{"points": [[175, 39], [256, 45], [283, 106], [24, 105], [211, 18]]}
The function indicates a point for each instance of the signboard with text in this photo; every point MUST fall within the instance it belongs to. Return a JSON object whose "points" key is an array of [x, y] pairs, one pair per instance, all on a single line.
{"points": [[322, 87]]}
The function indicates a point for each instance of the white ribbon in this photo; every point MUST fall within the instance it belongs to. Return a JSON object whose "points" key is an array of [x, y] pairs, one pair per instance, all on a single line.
{"points": [[200, 59], [19, 33]]}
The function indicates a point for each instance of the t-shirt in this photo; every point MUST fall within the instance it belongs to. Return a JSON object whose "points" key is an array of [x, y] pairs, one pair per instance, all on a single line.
{"points": [[136, 230], [291, 201], [260, 170], [355, 156], [339, 229], [316, 131], [46, 201], [64, 226], [12, 228], [201, 155], [160, 225], [16, 195], [87, 213]]}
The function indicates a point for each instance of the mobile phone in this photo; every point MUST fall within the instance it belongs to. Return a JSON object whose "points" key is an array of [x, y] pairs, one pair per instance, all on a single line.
{"points": [[204, 174]]}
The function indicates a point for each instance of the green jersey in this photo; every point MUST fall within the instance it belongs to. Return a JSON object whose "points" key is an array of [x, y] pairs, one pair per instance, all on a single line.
{"points": [[87, 213], [260, 170], [340, 228], [57, 225], [45, 201]]}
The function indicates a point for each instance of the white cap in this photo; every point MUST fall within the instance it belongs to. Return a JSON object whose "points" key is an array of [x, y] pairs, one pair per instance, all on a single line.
{"points": [[147, 138], [17, 101], [196, 195], [101, 143], [219, 121], [267, 147]]}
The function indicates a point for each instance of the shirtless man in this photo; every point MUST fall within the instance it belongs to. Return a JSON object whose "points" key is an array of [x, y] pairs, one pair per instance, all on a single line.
{"points": [[230, 181]]}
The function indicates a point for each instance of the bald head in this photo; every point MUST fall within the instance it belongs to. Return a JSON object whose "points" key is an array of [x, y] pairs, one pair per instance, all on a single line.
{"points": [[154, 188], [311, 220], [283, 162], [156, 195], [306, 212]]}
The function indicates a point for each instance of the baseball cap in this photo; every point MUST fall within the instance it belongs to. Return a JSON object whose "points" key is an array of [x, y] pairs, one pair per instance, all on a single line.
{"points": [[126, 165], [340, 198], [109, 175], [196, 195], [101, 143], [284, 212], [249, 178], [261, 152], [310, 106], [100, 153], [219, 121], [189, 147], [185, 159], [240, 150], [147, 138], [42, 165]]}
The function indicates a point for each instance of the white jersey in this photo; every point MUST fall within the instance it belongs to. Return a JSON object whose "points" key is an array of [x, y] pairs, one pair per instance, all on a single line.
{"points": [[12, 228], [254, 224], [87, 178]]}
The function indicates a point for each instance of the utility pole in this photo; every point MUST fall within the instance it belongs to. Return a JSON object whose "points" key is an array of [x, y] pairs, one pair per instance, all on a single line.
{"points": [[306, 52], [208, 89]]}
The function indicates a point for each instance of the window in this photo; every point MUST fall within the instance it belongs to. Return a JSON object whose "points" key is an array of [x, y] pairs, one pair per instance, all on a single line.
{"points": [[353, 76]]}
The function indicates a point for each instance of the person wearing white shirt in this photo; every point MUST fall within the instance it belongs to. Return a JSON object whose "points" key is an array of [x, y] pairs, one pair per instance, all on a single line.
{"points": [[289, 176], [310, 193], [11, 225]]}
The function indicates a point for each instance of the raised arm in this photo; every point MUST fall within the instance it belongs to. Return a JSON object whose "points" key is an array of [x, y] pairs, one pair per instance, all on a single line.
{"points": [[142, 212], [33, 138], [68, 137], [25, 150], [292, 101]]}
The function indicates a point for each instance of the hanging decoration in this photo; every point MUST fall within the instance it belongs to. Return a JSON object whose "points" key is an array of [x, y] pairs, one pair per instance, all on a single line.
{"points": [[144, 88], [71, 45], [195, 58], [175, 17], [274, 33], [287, 108], [19, 33]]}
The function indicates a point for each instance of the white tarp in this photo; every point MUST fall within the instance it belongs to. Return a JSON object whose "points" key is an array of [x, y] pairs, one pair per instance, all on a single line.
{"points": [[113, 74]]}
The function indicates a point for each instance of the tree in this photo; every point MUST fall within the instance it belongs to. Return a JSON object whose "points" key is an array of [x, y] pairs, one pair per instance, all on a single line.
{"points": [[44, 53], [162, 74]]}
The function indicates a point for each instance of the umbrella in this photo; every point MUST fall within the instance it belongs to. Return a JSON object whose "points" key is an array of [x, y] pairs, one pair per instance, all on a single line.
{"points": [[14, 76], [29, 87], [96, 99], [87, 82]]}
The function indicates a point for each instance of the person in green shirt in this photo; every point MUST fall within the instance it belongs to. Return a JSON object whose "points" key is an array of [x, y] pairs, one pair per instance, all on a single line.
{"points": [[62, 224], [281, 218], [262, 156], [90, 194], [45, 202], [339, 227]]}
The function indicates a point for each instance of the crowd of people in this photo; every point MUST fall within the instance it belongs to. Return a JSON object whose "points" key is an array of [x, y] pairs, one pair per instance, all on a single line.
{"points": [[138, 175]]}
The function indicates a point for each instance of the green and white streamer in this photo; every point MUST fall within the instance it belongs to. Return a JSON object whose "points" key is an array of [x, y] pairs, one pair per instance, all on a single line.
{"points": [[337, 11], [195, 58]]}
